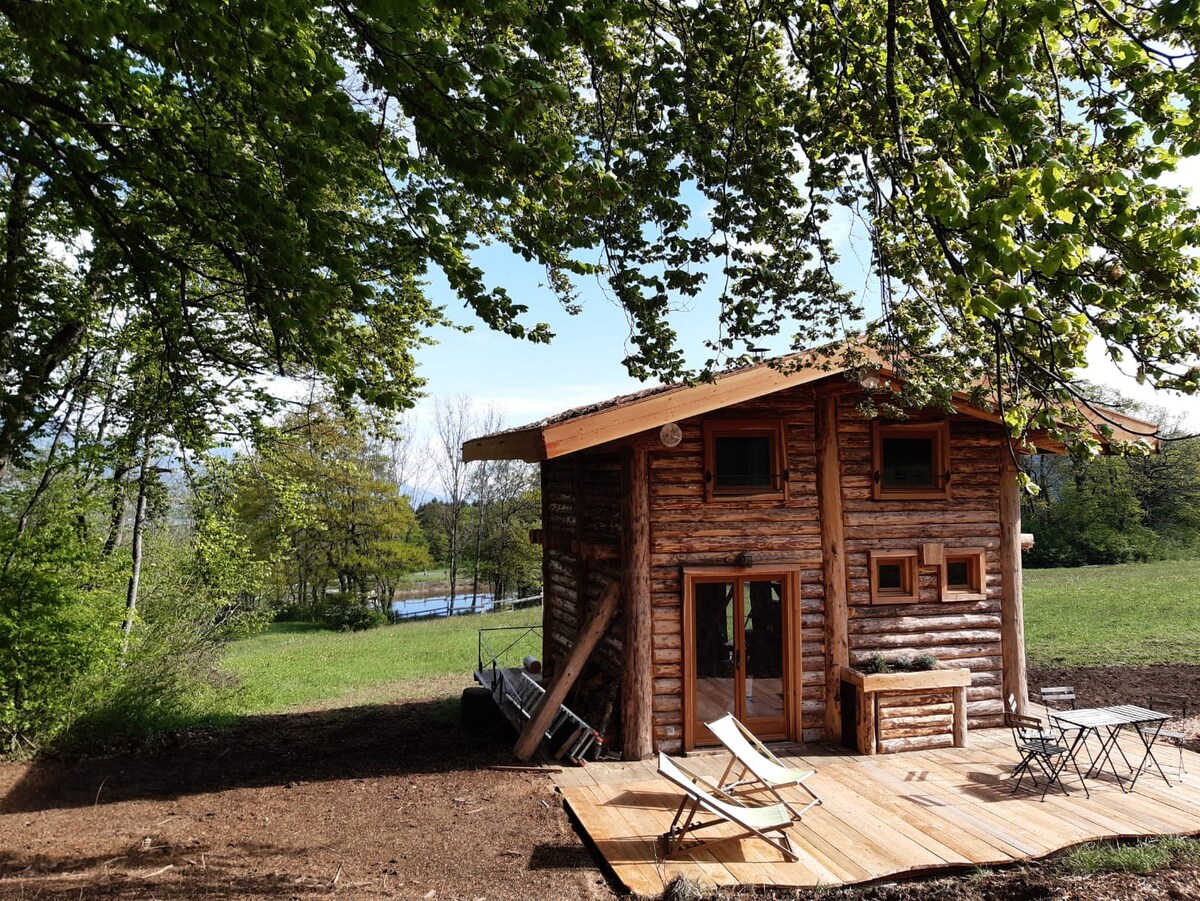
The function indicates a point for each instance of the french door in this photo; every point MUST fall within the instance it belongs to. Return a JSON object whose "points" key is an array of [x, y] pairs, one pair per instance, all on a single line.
{"points": [[741, 631]]}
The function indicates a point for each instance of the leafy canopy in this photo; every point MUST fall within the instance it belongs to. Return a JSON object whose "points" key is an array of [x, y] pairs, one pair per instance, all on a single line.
{"points": [[266, 182]]}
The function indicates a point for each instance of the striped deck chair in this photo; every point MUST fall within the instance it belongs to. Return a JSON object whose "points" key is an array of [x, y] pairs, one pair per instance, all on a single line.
{"points": [[767, 822], [761, 771]]}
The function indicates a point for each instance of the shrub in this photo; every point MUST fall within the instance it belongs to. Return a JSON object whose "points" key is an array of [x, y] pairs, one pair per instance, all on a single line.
{"points": [[60, 615], [347, 612], [876, 663], [64, 678]]}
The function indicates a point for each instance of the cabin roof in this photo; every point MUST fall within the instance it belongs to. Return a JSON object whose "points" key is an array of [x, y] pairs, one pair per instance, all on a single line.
{"points": [[599, 423]]}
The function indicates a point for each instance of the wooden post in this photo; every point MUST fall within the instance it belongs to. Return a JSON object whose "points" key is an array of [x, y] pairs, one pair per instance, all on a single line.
{"points": [[637, 681], [566, 674], [1012, 602], [833, 560], [868, 713], [960, 716]]}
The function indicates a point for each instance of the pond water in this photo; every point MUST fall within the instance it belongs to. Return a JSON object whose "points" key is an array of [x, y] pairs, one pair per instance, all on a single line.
{"points": [[439, 606]]}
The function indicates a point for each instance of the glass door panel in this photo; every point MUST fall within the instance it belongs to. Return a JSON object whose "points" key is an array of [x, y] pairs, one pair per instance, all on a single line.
{"points": [[763, 640], [716, 652], [737, 653]]}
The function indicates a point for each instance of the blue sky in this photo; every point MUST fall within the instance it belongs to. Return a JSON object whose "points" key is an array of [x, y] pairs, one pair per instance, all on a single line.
{"points": [[583, 364]]}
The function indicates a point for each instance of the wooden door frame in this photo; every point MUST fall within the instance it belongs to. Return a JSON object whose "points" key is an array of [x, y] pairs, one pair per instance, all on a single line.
{"points": [[788, 576]]}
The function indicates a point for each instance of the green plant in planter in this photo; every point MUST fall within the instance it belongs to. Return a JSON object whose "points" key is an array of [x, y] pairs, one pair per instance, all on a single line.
{"points": [[877, 663]]}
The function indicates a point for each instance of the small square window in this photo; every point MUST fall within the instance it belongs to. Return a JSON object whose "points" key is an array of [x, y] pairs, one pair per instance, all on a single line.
{"points": [[964, 575], [911, 460], [744, 459], [894, 577]]}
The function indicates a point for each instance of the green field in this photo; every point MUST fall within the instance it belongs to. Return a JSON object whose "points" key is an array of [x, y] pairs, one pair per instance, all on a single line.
{"points": [[296, 666], [1142, 613], [1138, 613]]}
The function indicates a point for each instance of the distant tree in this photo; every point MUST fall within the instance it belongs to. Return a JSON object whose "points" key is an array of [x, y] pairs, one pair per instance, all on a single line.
{"points": [[454, 423], [482, 476], [506, 558], [325, 509], [433, 517], [1117, 508]]}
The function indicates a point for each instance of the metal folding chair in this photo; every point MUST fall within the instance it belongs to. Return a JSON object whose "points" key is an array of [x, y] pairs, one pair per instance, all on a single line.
{"points": [[1058, 697], [1040, 749], [1177, 706], [1061, 694]]}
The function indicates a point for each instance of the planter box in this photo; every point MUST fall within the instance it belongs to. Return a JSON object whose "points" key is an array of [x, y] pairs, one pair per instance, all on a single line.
{"points": [[887, 712]]}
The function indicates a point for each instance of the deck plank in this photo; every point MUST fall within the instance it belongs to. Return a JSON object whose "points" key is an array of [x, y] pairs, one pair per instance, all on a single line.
{"points": [[883, 816]]}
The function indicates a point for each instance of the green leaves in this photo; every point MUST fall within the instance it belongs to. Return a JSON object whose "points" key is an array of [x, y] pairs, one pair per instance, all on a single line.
{"points": [[271, 183]]}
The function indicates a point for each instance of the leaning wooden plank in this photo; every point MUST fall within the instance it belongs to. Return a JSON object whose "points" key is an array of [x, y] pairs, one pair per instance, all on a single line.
{"points": [[568, 672]]}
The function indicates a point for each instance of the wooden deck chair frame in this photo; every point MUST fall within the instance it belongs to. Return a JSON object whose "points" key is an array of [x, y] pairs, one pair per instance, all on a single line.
{"points": [[761, 770], [701, 793]]}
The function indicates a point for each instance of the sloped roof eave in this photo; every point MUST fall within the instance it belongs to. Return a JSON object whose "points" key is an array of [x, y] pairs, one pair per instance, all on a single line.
{"points": [[621, 417]]}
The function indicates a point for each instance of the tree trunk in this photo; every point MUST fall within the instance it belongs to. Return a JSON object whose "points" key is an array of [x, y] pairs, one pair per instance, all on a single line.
{"points": [[475, 565], [116, 506], [453, 558], [135, 573], [43, 483]]}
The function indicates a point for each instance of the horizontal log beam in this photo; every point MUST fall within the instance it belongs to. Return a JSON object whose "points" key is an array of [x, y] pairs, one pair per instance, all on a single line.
{"points": [[569, 544]]}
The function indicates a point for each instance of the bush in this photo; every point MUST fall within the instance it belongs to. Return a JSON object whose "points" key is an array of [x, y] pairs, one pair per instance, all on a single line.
{"points": [[64, 678], [198, 591], [347, 612], [60, 615]]}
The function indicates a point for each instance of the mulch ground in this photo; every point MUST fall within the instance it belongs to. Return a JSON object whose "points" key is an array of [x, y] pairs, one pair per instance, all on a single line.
{"points": [[389, 801]]}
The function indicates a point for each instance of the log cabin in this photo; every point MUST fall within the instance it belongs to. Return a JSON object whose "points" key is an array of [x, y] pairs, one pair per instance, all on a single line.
{"points": [[747, 544]]}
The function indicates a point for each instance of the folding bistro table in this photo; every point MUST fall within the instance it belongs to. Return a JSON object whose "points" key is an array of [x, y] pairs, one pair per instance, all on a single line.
{"points": [[1107, 723]]}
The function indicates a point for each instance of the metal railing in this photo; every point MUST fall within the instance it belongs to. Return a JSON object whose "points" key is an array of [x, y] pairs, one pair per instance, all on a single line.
{"points": [[507, 646]]}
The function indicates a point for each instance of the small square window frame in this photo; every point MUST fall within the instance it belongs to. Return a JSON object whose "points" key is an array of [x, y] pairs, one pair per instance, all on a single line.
{"points": [[976, 560], [939, 432], [911, 576], [723, 428]]}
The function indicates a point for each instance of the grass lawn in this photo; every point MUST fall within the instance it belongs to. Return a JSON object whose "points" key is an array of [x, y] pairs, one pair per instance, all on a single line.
{"points": [[294, 666], [1141, 613], [1137, 613]]}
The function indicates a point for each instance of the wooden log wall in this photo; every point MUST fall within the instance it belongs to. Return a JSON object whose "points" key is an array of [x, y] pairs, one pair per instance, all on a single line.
{"points": [[580, 498], [913, 720], [965, 634], [686, 531]]}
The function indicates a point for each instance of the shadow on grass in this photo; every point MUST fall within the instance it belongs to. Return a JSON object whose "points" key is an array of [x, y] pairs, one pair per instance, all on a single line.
{"points": [[273, 750]]}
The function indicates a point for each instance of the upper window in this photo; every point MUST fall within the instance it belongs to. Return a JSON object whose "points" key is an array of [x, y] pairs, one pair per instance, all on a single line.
{"points": [[744, 459], [911, 460]]}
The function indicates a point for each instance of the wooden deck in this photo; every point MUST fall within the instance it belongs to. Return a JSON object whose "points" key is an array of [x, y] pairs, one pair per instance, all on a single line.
{"points": [[883, 816]]}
